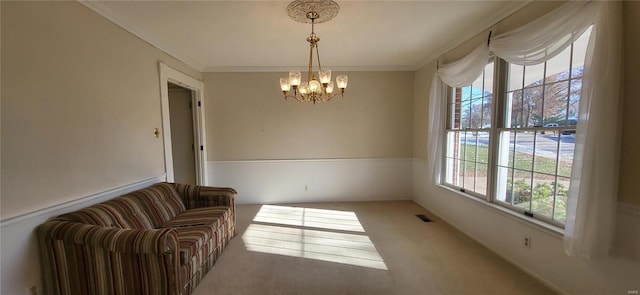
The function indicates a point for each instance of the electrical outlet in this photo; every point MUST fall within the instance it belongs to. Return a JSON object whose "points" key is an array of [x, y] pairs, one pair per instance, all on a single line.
{"points": [[306, 188], [526, 242]]}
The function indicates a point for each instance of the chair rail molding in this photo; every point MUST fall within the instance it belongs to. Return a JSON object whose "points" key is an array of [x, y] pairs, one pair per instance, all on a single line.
{"points": [[19, 249]]}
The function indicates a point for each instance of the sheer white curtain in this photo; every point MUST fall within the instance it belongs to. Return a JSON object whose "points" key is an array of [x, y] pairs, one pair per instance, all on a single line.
{"points": [[593, 198], [546, 37], [593, 191], [437, 125], [464, 71], [457, 74]]}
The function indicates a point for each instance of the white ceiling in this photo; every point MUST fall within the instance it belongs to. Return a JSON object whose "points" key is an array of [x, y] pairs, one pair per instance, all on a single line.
{"points": [[215, 36]]}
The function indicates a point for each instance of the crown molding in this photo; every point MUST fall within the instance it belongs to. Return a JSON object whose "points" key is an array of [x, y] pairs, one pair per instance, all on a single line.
{"points": [[503, 13], [398, 68], [98, 7]]}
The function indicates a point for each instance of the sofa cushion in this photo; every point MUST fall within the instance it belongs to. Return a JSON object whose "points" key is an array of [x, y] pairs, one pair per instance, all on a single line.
{"points": [[160, 202], [192, 223], [199, 216], [191, 239], [99, 214], [147, 208]]}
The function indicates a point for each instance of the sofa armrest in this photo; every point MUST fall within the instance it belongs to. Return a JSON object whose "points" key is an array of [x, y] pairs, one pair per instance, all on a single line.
{"points": [[136, 241], [195, 196], [80, 258]]}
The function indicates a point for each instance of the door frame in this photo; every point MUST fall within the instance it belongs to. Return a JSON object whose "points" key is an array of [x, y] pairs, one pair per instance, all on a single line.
{"points": [[170, 75]]}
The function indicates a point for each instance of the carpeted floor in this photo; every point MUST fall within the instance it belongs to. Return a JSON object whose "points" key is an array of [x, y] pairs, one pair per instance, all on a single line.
{"points": [[357, 248]]}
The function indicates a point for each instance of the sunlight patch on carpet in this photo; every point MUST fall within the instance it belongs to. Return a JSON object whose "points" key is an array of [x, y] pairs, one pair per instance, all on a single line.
{"points": [[298, 232], [309, 217]]}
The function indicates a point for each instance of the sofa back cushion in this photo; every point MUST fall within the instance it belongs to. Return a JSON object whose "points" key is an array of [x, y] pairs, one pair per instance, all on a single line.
{"points": [[146, 208], [159, 202]]}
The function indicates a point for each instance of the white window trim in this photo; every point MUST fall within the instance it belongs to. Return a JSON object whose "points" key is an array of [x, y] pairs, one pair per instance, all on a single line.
{"points": [[494, 181]]}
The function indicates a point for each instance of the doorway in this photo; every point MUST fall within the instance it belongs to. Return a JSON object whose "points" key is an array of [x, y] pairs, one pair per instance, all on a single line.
{"points": [[182, 134], [183, 127]]}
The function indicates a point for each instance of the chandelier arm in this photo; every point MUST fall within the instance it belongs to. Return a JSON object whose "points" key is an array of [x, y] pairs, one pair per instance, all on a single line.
{"points": [[299, 98], [329, 97]]}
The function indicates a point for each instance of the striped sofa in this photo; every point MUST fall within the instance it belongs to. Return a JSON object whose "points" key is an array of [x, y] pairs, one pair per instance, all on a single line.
{"points": [[158, 240]]}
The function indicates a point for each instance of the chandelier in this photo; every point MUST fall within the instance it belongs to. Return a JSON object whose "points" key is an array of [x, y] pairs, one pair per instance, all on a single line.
{"points": [[318, 89]]}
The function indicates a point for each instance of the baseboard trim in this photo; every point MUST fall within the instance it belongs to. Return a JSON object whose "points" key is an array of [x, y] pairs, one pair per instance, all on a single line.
{"points": [[92, 198]]}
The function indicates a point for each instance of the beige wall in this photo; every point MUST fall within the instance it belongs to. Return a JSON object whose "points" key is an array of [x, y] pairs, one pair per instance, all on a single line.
{"points": [[248, 119], [80, 100], [422, 78], [630, 158]]}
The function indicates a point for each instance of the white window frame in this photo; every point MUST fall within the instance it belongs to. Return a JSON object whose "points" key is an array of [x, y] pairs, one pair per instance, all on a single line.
{"points": [[497, 137], [445, 140]]}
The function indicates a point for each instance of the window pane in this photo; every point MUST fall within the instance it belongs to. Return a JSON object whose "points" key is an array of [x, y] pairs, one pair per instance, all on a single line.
{"points": [[456, 173], [555, 103], [452, 153], [482, 153], [546, 153], [505, 185], [465, 108], [558, 67], [470, 146], [455, 152], [543, 194], [470, 111], [469, 179], [451, 120], [532, 106], [487, 102], [487, 96], [481, 178], [449, 171], [574, 100], [524, 150], [533, 75], [488, 78], [506, 148], [477, 87], [565, 155], [516, 73], [579, 53], [515, 109], [522, 189], [449, 151], [462, 168], [562, 191]]}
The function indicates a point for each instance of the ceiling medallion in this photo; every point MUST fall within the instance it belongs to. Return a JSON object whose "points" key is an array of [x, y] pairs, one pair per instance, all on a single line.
{"points": [[324, 10], [312, 12]]}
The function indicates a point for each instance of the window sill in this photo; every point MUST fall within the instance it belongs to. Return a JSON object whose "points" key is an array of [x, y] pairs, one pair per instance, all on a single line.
{"points": [[534, 223]]}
